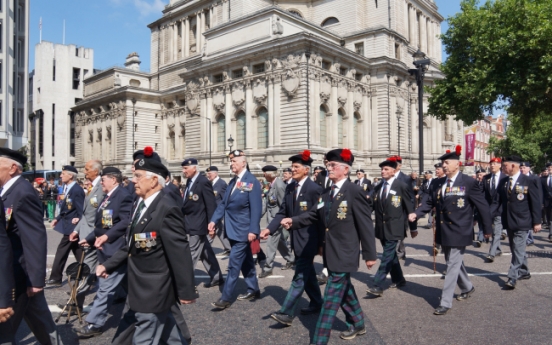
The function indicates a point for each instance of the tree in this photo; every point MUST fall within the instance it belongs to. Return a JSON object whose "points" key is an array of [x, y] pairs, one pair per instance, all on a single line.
{"points": [[499, 57]]}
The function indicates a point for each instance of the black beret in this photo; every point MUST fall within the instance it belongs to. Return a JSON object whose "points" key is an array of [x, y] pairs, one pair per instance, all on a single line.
{"points": [[429, 172], [235, 153], [513, 159], [212, 168], [147, 152], [341, 155], [110, 170], [153, 166], [14, 155], [389, 163], [287, 170], [302, 158], [549, 164], [438, 165], [480, 171], [189, 161], [526, 164], [360, 170], [70, 168], [269, 168], [319, 168], [454, 155]]}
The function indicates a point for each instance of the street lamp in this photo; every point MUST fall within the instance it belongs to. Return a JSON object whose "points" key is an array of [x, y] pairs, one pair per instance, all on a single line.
{"points": [[422, 65], [133, 100], [230, 142], [399, 113]]}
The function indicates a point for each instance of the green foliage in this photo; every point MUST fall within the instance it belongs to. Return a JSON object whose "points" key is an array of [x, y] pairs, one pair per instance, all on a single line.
{"points": [[499, 56]]}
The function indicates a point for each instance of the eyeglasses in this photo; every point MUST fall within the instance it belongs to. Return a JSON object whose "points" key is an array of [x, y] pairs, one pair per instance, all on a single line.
{"points": [[138, 176], [333, 165]]}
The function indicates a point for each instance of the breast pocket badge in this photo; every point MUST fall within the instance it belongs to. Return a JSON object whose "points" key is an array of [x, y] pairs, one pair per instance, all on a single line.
{"points": [[94, 201], [195, 197], [342, 210], [69, 203], [396, 201], [520, 196], [303, 205], [8, 212], [461, 203], [107, 219]]}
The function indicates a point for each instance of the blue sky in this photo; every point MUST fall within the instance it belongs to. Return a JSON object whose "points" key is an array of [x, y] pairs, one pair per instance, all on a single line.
{"points": [[115, 28]]}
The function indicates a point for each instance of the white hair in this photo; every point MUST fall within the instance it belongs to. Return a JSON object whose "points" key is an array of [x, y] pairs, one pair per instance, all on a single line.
{"points": [[96, 165], [271, 173], [72, 174], [160, 179]]}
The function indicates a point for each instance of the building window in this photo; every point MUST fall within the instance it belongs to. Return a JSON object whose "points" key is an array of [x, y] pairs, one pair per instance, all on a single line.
{"points": [[217, 78], [54, 71], [343, 71], [1, 74], [295, 13], [330, 21], [262, 129], [18, 122], [40, 132], [358, 76], [76, 78], [221, 133], [356, 130], [326, 65], [237, 73], [76, 51], [240, 131], [72, 135], [397, 51], [340, 128], [1, 112], [323, 132], [258, 68], [359, 48], [1, 36], [53, 130]]}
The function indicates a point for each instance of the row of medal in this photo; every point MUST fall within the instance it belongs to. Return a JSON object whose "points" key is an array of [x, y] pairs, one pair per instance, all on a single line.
{"points": [[145, 240]]}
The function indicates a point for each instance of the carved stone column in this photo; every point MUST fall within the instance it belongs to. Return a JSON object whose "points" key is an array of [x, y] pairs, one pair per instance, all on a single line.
{"points": [[229, 113], [277, 85], [367, 120], [161, 36], [175, 41], [350, 143], [250, 119], [374, 124], [199, 23], [332, 143], [315, 109], [186, 37]]}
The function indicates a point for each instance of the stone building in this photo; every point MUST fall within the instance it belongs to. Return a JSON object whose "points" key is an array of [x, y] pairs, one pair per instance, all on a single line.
{"points": [[276, 76]]}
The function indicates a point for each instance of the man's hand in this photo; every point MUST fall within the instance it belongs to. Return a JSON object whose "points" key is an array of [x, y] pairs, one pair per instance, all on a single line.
{"points": [[286, 223], [412, 217], [537, 228], [100, 241], [251, 237], [31, 291], [74, 236], [185, 301], [487, 235], [370, 263], [5, 314], [75, 220], [101, 272], [413, 233], [211, 226], [212, 234], [54, 222], [83, 243], [264, 234]]}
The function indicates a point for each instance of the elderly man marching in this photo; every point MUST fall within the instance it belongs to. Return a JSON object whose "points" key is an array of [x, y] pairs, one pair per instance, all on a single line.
{"points": [[300, 196], [345, 212], [454, 198]]}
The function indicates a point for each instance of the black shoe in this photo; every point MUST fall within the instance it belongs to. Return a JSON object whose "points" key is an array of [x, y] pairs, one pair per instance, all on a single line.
{"points": [[502, 237], [120, 300], [53, 283], [525, 277], [445, 272], [221, 304], [530, 244], [250, 296], [282, 318], [310, 310], [322, 279], [89, 331], [477, 244], [398, 285], [376, 291], [403, 258], [265, 274], [225, 253], [490, 258], [465, 295], [189, 341], [213, 283], [441, 310], [352, 332], [289, 265], [510, 284]]}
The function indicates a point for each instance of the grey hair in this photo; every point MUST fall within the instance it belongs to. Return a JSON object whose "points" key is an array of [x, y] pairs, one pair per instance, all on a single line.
{"points": [[160, 179], [96, 165], [271, 173], [117, 176], [72, 174]]}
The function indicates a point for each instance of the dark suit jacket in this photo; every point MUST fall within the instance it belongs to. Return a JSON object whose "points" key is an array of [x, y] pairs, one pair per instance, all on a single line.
{"points": [[219, 188], [7, 282], [546, 192], [241, 209], [158, 278], [366, 186], [120, 205], [27, 234], [199, 206], [304, 241], [392, 216], [411, 194], [454, 213], [343, 236], [71, 207], [174, 192], [519, 214], [491, 195]]}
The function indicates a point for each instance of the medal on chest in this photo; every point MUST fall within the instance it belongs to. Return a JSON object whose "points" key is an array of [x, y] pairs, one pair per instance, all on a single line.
{"points": [[303, 205], [396, 201], [342, 210], [145, 240], [8, 212], [460, 203]]}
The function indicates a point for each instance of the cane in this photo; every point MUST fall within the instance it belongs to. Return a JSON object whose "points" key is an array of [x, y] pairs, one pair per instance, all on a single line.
{"points": [[78, 271], [434, 244]]}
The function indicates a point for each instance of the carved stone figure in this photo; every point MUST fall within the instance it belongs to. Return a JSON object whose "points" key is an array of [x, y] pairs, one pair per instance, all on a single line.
{"points": [[277, 27]]}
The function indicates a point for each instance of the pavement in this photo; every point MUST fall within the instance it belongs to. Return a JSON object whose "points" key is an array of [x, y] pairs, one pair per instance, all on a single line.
{"points": [[402, 316]]}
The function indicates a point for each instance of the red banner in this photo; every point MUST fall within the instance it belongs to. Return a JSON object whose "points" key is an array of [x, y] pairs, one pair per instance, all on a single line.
{"points": [[470, 146]]}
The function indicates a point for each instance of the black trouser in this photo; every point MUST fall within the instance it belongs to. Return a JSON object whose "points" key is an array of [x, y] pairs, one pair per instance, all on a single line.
{"points": [[62, 253]]}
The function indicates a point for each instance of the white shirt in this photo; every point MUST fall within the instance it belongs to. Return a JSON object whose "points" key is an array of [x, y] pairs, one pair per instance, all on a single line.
{"points": [[8, 184], [452, 179], [215, 180], [429, 182], [299, 185], [96, 181], [68, 187], [191, 182], [147, 202], [240, 176], [111, 192], [360, 180], [338, 185], [514, 179], [390, 182]]}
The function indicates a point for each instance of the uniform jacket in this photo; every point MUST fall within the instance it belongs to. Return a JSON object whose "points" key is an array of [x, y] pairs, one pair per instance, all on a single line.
{"points": [[27, 234], [71, 207], [274, 198], [157, 278], [425, 187], [546, 191], [392, 215], [199, 206], [7, 283], [92, 201], [491, 195], [119, 204], [454, 213], [304, 241], [219, 188], [366, 185], [241, 209], [410, 190], [345, 230], [174, 192], [522, 206]]}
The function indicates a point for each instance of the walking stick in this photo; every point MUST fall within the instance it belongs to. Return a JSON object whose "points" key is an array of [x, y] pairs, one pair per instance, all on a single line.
{"points": [[78, 271], [434, 244]]}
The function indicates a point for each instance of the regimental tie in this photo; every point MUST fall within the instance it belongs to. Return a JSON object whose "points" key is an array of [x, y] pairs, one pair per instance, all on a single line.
{"points": [[449, 186], [295, 194], [493, 184], [384, 193], [510, 185], [332, 190], [137, 214]]}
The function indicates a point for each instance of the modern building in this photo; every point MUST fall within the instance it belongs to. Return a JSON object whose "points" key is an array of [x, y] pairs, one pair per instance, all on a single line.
{"points": [[276, 77], [14, 61], [56, 86]]}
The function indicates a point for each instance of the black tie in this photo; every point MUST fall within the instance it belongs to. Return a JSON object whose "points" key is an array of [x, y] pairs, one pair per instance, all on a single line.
{"points": [[510, 185], [384, 194], [493, 185], [139, 209], [449, 186], [330, 203]]}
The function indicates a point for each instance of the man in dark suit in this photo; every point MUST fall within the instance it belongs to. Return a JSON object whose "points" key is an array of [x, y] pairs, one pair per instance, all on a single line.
{"points": [[199, 206], [71, 207], [160, 269], [490, 187], [454, 198], [345, 213], [219, 188], [413, 226], [519, 197], [300, 196], [392, 208], [546, 182], [424, 189], [27, 234], [241, 209], [173, 191], [7, 283], [112, 219], [363, 182]]}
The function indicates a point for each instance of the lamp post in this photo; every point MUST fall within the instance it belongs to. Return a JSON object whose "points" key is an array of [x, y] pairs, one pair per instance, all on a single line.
{"points": [[133, 100], [422, 65], [230, 142], [399, 113]]}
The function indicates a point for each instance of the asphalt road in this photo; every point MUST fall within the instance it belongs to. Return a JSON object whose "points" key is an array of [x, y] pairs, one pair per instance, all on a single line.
{"points": [[404, 316]]}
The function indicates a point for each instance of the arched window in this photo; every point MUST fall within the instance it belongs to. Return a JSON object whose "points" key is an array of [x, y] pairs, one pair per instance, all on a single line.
{"points": [[330, 21], [340, 128], [221, 133], [262, 129], [323, 133], [240, 131], [356, 130], [295, 13], [172, 146]]}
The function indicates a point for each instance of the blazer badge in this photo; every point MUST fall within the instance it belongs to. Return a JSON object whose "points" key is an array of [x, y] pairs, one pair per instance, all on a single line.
{"points": [[461, 203], [396, 201], [69, 203], [195, 197], [303, 205], [365, 186], [107, 219], [94, 201], [342, 210], [520, 196], [8, 212]]}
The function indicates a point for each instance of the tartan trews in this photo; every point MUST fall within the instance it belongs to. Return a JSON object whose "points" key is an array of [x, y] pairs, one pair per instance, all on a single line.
{"points": [[340, 292], [303, 280]]}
